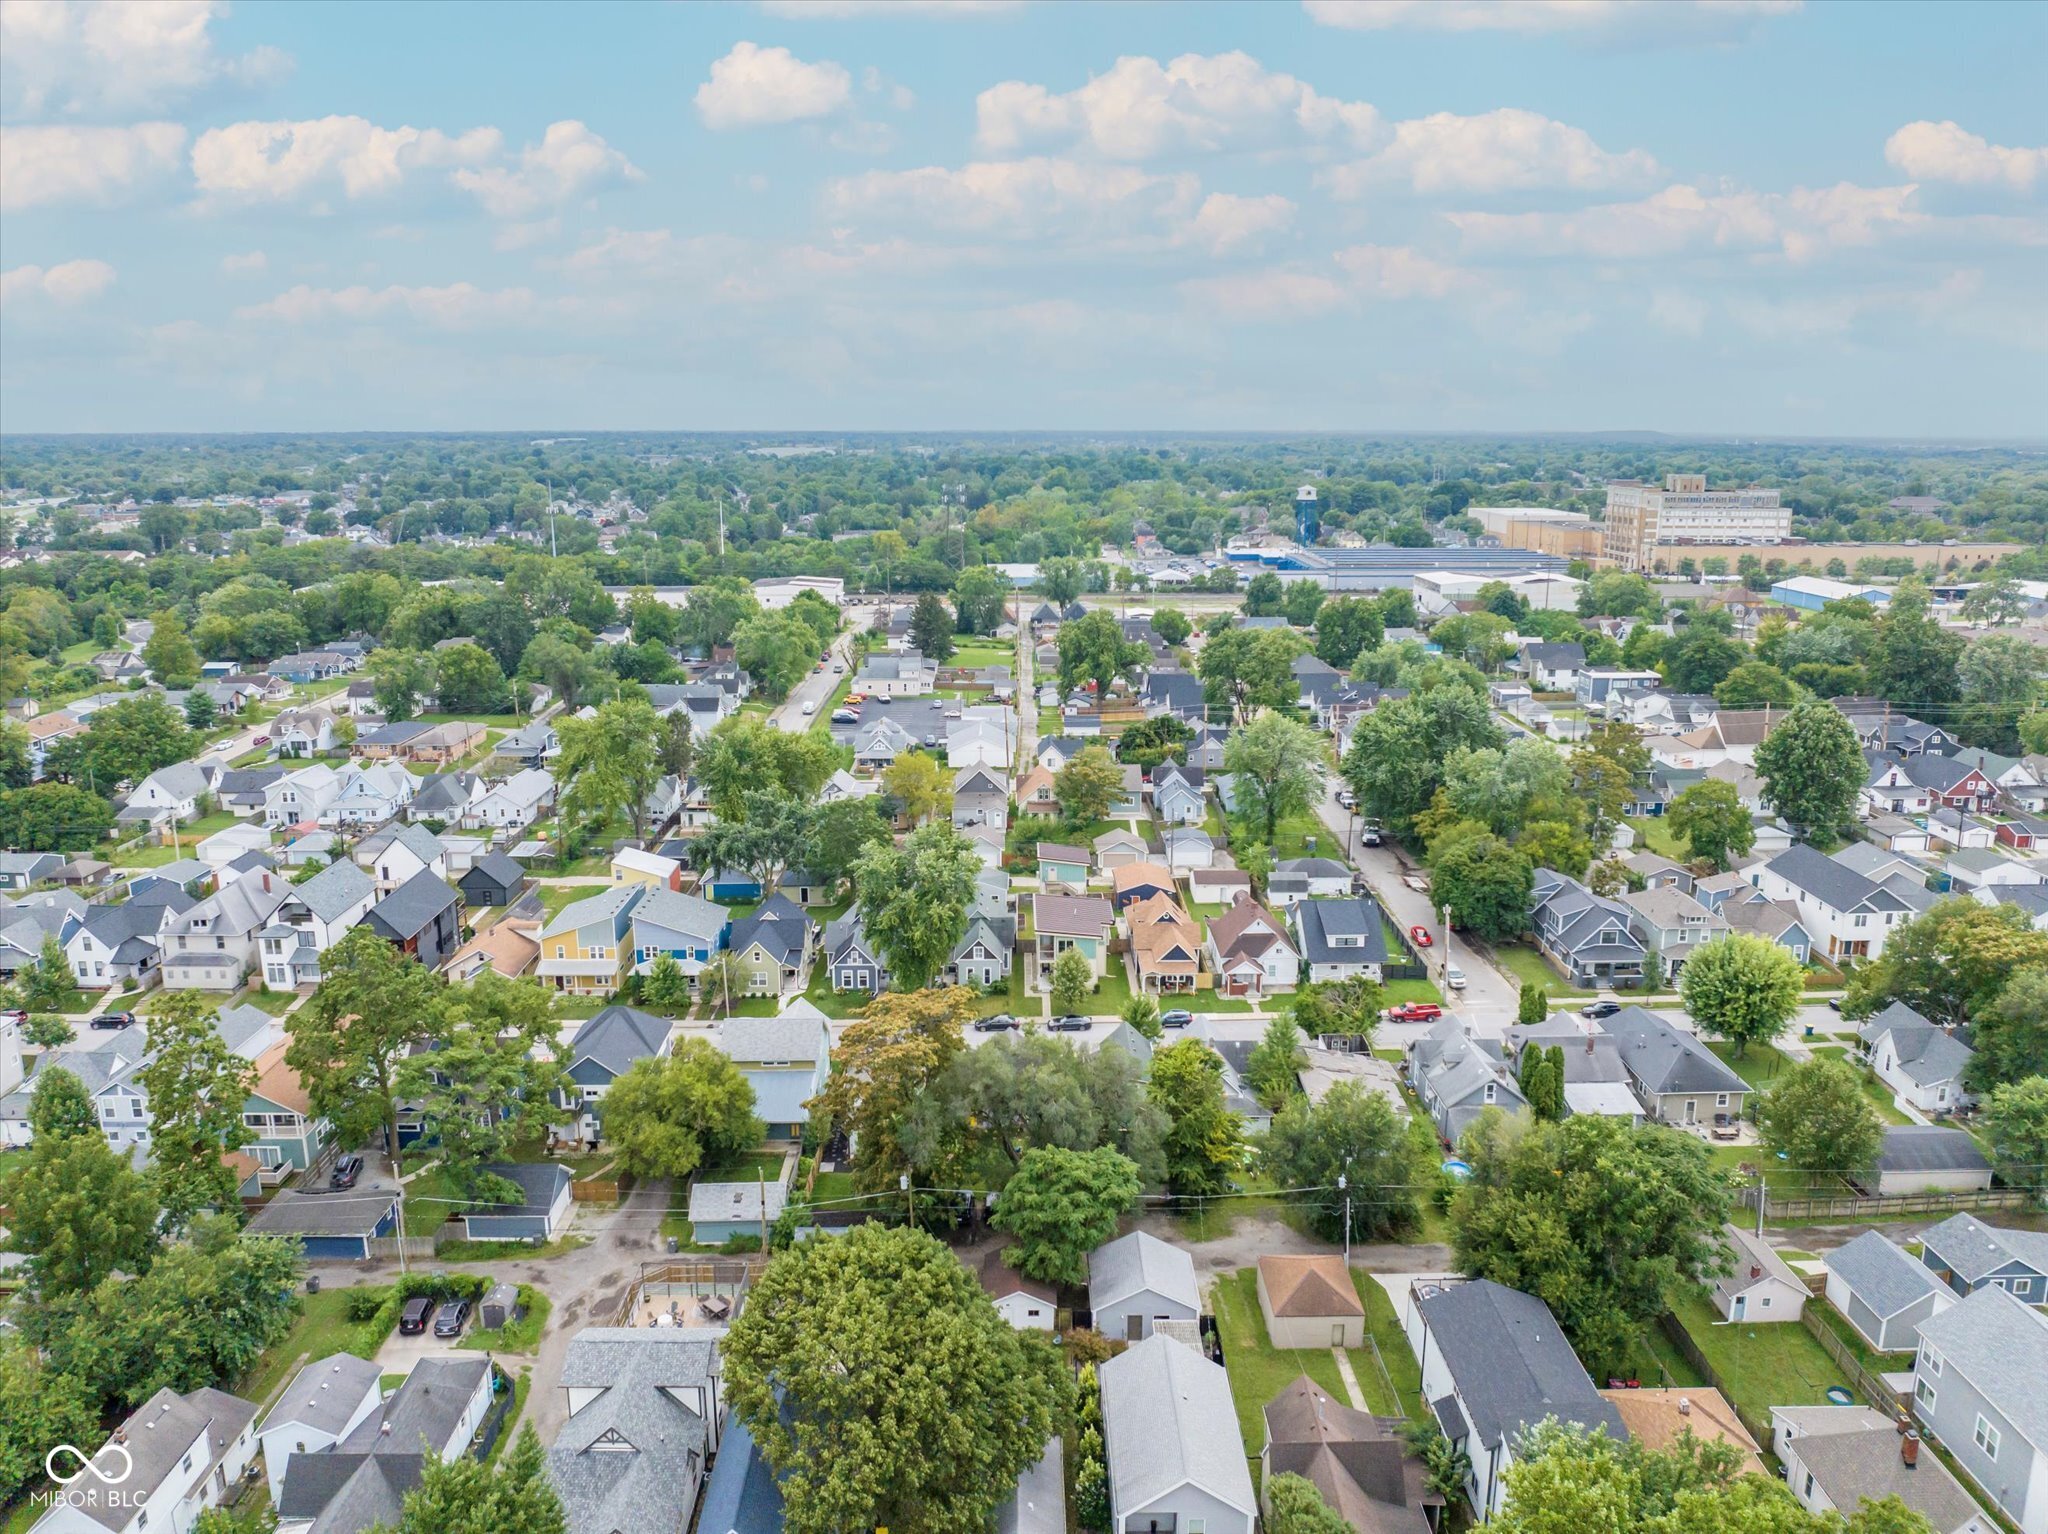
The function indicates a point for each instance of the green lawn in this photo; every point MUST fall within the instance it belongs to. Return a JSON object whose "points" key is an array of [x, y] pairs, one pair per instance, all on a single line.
{"points": [[429, 1199], [555, 896], [579, 1006], [1384, 1327], [1760, 1065], [501, 721], [1531, 968], [1113, 994], [519, 1336], [745, 1168], [206, 825], [143, 857], [1861, 1351], [323, 1327], [1258, 1370], [1772, 1364], [1412, 990], [1656, 834], [829, 1186], [276, 1003], [1879, 1094], [819, 993]]}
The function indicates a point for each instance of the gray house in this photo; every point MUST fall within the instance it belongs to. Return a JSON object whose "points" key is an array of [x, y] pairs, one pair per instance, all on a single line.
{"points": [[1980, 1385], [1458, 1077], [1341, 938], [1591, 938], [1138, 1279], [1673, 924], [981, 797], [1967, 1255], [1882, 1292], [854, 963], [1676, 1077], [603, 1050], [643, 1412], [422, 917], [542, 1211], [985, 952], [1170, 1440]]}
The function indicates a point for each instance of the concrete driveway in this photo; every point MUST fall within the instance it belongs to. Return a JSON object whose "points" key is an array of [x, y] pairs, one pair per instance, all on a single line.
{"points": [[399, 1354]]}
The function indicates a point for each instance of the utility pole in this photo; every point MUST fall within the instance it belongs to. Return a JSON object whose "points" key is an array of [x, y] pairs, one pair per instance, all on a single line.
{"points": [[761, 1179], [1344, 1187], [909, 1204]]}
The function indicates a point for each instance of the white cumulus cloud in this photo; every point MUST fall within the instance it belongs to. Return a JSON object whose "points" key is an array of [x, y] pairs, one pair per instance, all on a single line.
{"points": [[1499, 151], [457, 306], [272, 161], [92, 55], [1944, 151], [1684, 18], [1025, 197], [1363, 273], [1196, 103], [568, 161], [1225, 220], [44, 165], [753, 86], [69, 282]]}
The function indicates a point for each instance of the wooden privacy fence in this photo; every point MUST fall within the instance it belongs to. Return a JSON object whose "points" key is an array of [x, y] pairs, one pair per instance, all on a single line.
{"points": [[600, 1190], [1867, 1381], [1870, 1206], [1681, 1339]]}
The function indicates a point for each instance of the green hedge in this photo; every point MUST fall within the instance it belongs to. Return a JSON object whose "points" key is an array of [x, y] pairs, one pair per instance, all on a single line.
{"points": [[377, 1308]]}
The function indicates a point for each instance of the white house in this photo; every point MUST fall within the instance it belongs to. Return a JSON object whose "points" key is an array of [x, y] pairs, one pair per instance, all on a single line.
{"points": [[313, 918], [369, 796], [1138, 1279], [399, 852], [171, 1459], [1028, 1304], [299, 797], [319, 1408], [1847, 915], [174, 791], [1922, 1064], [515, 803], [1759, 1284], [1171, 1445]]}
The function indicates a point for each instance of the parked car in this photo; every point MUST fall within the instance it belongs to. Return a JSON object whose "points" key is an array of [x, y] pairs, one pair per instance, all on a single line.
{"points": [[346, 1171], [1421, 936], [1177, 1018], [1598, 1009], [1369, 833], [1346, 799], [263, 740], [1001, 1022], [1834, 1003], [412, 1320], [114, 1020], [1454, 977], [845, 716], [1070, 1023], [451, 1318], [1414, 1012]]}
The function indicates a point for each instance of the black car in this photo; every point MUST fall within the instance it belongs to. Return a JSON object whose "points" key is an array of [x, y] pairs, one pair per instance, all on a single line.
{"points": [[1834, 1003], [413, 1319], [1070, 1023], [1177, 1018], [346, 1171], [451, 1318], [114, 1020], [1600, 1009], [1001, 1022]]}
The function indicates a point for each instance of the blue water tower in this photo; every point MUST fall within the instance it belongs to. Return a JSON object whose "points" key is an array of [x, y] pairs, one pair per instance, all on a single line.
{"points": [[1308, 515]]}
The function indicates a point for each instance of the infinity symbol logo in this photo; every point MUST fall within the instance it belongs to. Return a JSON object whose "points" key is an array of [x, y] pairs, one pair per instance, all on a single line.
{"points": [[86, 1465]]}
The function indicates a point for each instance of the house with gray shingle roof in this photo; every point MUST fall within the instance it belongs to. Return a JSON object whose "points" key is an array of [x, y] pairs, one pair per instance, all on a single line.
{"points": [[313, 918], [320, 1407], [1980, 1384], [360, 1482], [1591, 938], [1848, 915], [785, 1060], [1170, 1442], [1675, 1077], [1458, 1077], [1922, 1064], [422, 917], [1966, 1255], [643, 1412], [1837, 1458], [1341, 938], [603, 1050], [1919, 1158], [1137, 1280], [174, 1454], [1879, 1289]]}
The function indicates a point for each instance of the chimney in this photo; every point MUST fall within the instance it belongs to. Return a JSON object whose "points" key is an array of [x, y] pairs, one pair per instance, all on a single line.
{"points": [[1909, 1450], [1756, 1270], [266, 881], [1684, 1406]]}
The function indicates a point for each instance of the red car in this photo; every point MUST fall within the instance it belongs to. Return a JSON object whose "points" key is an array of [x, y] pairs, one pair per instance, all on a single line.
{"points": [[1421, 936], [1414, 1012]]}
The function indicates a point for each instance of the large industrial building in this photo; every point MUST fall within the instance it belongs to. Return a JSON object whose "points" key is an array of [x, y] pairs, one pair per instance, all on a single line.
{"points": [[1641, 516]]}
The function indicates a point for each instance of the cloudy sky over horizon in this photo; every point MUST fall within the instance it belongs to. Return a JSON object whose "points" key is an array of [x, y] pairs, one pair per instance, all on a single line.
{"points": [[1744, 216]]}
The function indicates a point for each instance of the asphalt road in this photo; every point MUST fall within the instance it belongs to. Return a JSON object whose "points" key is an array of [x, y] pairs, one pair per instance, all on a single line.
{"points": [[818, 686]]}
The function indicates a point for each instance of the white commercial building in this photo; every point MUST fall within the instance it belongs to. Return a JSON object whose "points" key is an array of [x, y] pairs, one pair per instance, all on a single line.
{"points": [[1640, 516]]}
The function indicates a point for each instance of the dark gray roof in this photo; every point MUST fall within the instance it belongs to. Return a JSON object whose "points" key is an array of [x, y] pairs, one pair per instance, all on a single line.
{"points": [[409, 908], [2000, 1345], [157, 1434], [1666, 1060], [1510, 1361], [347, 1492], [1881, 1274], [428, 1405], [778, 925], [1853, 1467], [334, 889], [1974, 1251], [616, 1037], [628, 1461], [499, 868], [1922, 1148], [1832, 883], [1321, 922], [540, 1183], [299, 1213], [1558, 655], [742, 1496]]}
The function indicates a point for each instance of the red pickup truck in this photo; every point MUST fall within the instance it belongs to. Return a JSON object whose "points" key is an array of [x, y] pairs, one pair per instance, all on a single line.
{"points": [[1414, 1012]]}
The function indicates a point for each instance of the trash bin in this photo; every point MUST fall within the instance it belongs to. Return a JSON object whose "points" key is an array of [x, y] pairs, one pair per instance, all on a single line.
{"points": [[312, 1283], [674, 1245]]}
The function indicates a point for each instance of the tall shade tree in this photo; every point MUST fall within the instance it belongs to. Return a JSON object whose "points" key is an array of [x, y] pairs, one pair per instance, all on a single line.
{"points": [[1817, 1117], [1271, 1070], [1913, 663], [1087, 785], [1353, 1133], [469, 680], [2010, 1035], [914, 899], [465, 1495], [1710, 820], [1813, 770], [979, 595], [168, 652], [610, 763], [1346, 627], [1604, 774], [691, 1108], [932, 627], [1278, 769], [44, 1407], [886, 1061], [884, 1389], [774, 833], [76, 1208], [1950, 963], [1062, 1204], [1485, 883], [1741, 988], [372, 1006], [2001, 680], [56, 816], [1093, 649], [1395, 764], [1597, 1218], [1171, 625], [747, 752], [196, 1087], [917, 781], [1755, 685], [2016, 1122], [1204, 1140], [1244, 670], [400, 680]]}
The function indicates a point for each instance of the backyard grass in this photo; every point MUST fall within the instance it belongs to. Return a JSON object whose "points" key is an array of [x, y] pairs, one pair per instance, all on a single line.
{"points": [[1879, 1094], [323, 1327], [276, 1003], [429, 1199], [745, 1168], [1775, 1363], [579, 1006], [1656, 835], [828, 1187], [1258, 1370], [1861, 1351], [517, 1336], [555, 896], [1384, 1328], [1760, 1065], [143, 857]]}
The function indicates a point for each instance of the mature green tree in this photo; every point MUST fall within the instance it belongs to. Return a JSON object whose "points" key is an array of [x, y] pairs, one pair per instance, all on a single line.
{"points": [[1303, 601], [914, 899], [888, 1060], [1073, 982], [2009, 1037], [717, 608], [979, 595], [885, 1390], [1701, 658], [1571, 1481], [42, 1408], [1395, 764], [777, 650], [1597, 1218], [840, 832], [15, 771], [1142, 1013], [57, 816], [1479, 639], [610, 763], [1542, 1082], [1506, 790], [1346, 627], [564, 666], [168, 651], [991, 1105], [1710, 820], [1741, 988], [1271, 1070], [1152, 741], [465, 1495], [1813, 770], [199, 710], [129, 740], [1264, 595], [196, 1088], [775, 833], [1754, 684], [671, 1116], [1093, 649], [2001, 680], [490, 1080], [1604, 774], [1204, 1140], [76, 1209], [917, 781], [1949, 963], [1913, 662], [1617, 594], [1245, 670], [932, 627], [47, 982], [1353, 1134], [1485, 882], [1819, 1119], [1062, 1204], [1532, 1005], [59, 1107], [1062, 579], [1088, 785], [1277, 767], [469, 680], [1171, 625], [1294, 1506], [401, 680], [373, 1005], [665, 986], [2016, 1122]]}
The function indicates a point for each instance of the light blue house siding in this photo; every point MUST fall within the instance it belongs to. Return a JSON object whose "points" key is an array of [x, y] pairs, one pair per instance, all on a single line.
{"points": [[284, 1137], [780, 1093], [2016, 1278], [691, 950], [1054, 871]]}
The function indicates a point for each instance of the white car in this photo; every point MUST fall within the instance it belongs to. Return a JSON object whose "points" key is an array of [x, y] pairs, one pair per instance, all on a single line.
{"points": [[811, 706], [1454, 977]]}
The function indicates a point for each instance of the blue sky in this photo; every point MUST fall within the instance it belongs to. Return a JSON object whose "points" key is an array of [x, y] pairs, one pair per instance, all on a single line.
{"points": [[1748, 216]]}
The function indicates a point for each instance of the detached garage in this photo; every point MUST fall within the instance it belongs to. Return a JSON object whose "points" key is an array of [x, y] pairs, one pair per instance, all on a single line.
{"points": [[1309, 1302], [1882, 1292], [332, 1226], [1920, 1159], [541, 1213]]}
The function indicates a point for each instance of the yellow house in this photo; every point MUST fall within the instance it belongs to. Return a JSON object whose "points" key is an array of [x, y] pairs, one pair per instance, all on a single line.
{"points": [[630, 865], [588, 948]]}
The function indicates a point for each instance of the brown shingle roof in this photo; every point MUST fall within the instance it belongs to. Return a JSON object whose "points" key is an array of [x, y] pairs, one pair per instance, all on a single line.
{"points": [[1309, 1286], [1071, 915], [1229, 930]]}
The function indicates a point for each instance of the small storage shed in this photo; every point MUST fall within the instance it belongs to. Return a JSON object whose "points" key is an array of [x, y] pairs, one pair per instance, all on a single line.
{"points": [[500, 1306]]}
